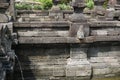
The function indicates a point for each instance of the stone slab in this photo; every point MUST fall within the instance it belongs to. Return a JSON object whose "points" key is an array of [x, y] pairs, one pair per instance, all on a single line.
{"points": [[43, 34], [38, 40], [59, 70], [42, 24]]}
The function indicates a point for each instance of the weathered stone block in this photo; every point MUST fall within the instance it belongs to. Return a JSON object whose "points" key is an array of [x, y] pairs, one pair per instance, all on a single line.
{"points": [[70, 70], [101, 71], [44, 71], [81, 78], [62, 61], [83, 72], [78, 70], [78, 52], [78, 56], [115, 70], [59, 70], [4, 18], [78, 67], [100, 65], [56, 15]]}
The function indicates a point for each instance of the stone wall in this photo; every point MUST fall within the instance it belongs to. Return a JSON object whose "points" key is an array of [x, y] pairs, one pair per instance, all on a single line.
{"points": [[51, 47], [68, 62], [37, 15]]}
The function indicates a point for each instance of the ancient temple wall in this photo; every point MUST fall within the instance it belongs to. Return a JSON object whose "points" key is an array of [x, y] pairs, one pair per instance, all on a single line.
{"points": [[64, 61], [43, 61], [47, 50]]}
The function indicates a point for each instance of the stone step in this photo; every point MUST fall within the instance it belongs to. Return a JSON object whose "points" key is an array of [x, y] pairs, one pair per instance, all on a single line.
{"points": [[33, 19], [38, 40], [44, 34], [45, 62], [45, 24], [105, 24], [34, 40], [91, 39], [103, 59]]}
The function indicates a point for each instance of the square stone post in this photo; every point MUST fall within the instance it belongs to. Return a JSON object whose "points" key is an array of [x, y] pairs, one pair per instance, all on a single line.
{"points": [[78, 27], [55, 13], [77, 65]]}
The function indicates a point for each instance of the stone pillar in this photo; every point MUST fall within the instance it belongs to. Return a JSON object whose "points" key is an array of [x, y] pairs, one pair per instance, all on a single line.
{"points": [[99, 11], [111, 10], [78, 27], [78, 65], [55, 12]]}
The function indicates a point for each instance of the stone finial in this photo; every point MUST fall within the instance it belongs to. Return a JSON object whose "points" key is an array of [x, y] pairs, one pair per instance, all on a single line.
{"points": [[55, 2], [78, 6], [55, 6], [78, 26], [99, 2], [78, 3]]}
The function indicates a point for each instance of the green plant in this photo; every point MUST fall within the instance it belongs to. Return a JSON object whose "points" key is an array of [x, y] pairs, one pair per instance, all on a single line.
{"points": [[90, 4], [105, 3], [46, 4], [23, 6], [18, 6], [37, 7], [65, 7]]}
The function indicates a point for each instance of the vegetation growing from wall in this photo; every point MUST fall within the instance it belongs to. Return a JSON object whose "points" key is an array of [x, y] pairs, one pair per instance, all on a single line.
{"points": [[23, 6], [45, 5], [90, 4], [65, 7]]}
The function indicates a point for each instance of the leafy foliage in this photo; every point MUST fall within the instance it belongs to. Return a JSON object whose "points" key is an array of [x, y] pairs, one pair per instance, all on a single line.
{"points": [[90, 4], [45, 5], [105, 3], [23, 6], [37, 7], [65, 7]]}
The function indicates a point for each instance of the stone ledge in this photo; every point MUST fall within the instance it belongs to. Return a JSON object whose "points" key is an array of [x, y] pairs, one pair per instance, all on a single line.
{"points": [[45, 24], [39, 40]]}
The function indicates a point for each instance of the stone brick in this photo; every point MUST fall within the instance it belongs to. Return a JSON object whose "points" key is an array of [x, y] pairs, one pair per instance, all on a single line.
{"points": [[3, 18], [78, 67], [62, 61], [99, 65], [101, 71], [59, 70], [77, 62], [78, 70], [78, 52], [44, 71], [70, 70]]}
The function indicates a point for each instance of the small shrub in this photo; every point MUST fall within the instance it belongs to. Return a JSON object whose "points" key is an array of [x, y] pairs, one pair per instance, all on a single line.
{"points": [[90, 4], [23, 6], [37, 7], [65, 7], [46, 4]]}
